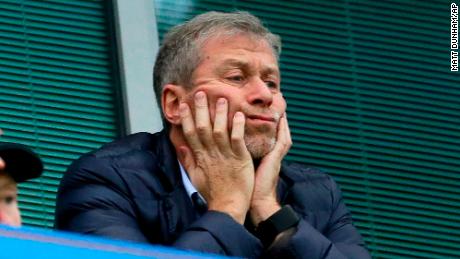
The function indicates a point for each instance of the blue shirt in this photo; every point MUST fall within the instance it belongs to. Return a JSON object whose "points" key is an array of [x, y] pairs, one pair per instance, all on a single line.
{"points": [[189, 188]]}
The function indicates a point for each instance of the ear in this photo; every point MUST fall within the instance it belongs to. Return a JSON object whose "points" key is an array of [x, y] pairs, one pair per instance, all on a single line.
{"points": [[171, 97]]}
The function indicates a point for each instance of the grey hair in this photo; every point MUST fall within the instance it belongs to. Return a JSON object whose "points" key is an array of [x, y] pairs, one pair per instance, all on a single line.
{"points": [[179, 52]]}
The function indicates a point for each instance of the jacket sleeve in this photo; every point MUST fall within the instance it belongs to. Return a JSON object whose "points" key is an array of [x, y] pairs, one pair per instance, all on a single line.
{"points": [[340, 239], [92, 200], [217, 232]]}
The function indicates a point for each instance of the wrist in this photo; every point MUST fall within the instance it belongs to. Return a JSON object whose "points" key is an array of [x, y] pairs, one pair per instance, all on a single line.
{"points": [[233, 209], [238, 217], [262, 210], [268, 230]]}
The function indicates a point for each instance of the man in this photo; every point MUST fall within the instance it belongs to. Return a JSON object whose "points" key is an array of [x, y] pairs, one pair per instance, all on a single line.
{"points": [[213, 180], [17, 164]]}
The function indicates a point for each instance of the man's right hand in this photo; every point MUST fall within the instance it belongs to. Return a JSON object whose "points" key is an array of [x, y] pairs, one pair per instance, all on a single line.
{"points": [[219, 165]]}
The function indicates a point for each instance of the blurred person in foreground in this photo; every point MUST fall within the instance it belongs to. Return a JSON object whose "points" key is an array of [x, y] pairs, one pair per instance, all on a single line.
{"points": [[213, 180], [18, 163]]}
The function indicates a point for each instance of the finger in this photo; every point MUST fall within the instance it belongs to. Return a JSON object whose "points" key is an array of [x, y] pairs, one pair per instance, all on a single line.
{"points": [[188, 127], [237, 136], [2, 164], [202, 122], [220, 130], [283, 141], [287, 130]]}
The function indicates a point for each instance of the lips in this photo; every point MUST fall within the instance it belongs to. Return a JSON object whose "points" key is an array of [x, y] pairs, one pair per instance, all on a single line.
{"points": [[261, 117]]}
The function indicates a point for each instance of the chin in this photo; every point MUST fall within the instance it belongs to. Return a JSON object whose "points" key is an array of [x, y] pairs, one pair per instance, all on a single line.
{"points": [[259, 146], [260, 140]]}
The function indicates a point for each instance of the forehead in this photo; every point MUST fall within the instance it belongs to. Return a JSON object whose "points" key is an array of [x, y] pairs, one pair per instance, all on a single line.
{"points": [[6, 181], [237, 46]]}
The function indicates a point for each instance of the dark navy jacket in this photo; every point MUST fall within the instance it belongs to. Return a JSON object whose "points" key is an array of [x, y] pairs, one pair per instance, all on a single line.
{"points": [[132, 189]]}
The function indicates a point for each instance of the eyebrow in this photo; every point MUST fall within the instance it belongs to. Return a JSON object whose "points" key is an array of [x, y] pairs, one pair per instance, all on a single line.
{"points": [[266, 70], [6, 185]]}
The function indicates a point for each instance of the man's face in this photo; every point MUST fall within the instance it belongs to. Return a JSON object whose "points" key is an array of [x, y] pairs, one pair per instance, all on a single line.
{"points": [[245, 71], [9, 211]]}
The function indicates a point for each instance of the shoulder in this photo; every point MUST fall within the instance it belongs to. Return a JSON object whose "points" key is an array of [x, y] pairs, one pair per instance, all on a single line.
{"points": [[302, 174], [122, 164], [131, 151], [309, 188], [134, 143], [104, 184]]}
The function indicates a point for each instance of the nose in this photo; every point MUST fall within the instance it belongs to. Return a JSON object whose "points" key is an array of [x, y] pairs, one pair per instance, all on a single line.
{"points": [[259, 93]]}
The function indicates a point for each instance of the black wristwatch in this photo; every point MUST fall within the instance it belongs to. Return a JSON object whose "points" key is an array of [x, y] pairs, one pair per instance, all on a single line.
{"points": [[283, 219]]}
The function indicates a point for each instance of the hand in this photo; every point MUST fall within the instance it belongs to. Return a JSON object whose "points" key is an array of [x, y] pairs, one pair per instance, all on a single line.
{"points": [[220, 168], [2, 164], [264, 201]]}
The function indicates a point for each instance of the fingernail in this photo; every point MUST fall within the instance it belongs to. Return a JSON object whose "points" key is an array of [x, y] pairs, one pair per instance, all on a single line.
{"points": [[239, 115], [199, 95], [221, 101]]}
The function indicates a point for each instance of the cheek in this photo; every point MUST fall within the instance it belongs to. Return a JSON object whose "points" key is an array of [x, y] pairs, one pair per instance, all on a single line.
{"points": [[10, 214], [11, 208], [279, 104], [14, 214]]}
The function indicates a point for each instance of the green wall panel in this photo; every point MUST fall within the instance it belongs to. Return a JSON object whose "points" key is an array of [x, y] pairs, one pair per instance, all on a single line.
{"points": [[57, 89], [372, 101]]}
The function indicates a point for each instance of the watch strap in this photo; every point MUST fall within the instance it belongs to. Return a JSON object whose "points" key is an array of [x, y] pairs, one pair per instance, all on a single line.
{"points": [[280, 221]]}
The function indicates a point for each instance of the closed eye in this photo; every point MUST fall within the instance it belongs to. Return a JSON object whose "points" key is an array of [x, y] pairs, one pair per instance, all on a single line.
{"points": [[271, 84], [9, 199], [238, 78]]}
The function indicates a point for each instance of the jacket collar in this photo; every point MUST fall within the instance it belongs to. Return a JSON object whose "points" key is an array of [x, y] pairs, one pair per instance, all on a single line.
{"points": [[167, 160]]}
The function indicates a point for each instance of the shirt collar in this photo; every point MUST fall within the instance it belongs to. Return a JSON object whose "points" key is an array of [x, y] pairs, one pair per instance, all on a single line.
{"points": [[189, 188]]}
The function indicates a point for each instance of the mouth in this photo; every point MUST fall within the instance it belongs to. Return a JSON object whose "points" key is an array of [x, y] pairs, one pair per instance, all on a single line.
{"points": [[263, 118]]}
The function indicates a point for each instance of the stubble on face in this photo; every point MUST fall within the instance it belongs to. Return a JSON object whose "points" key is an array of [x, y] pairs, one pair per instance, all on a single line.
{"points": [[261, 140]]}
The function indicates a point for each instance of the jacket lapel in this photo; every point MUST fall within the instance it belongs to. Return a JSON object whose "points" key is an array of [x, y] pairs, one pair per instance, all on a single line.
{"points": [[176, 210]]}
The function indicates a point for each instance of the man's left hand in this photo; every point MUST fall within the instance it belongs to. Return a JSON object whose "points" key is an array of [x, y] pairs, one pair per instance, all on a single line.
{"points": [[264, 202]]}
